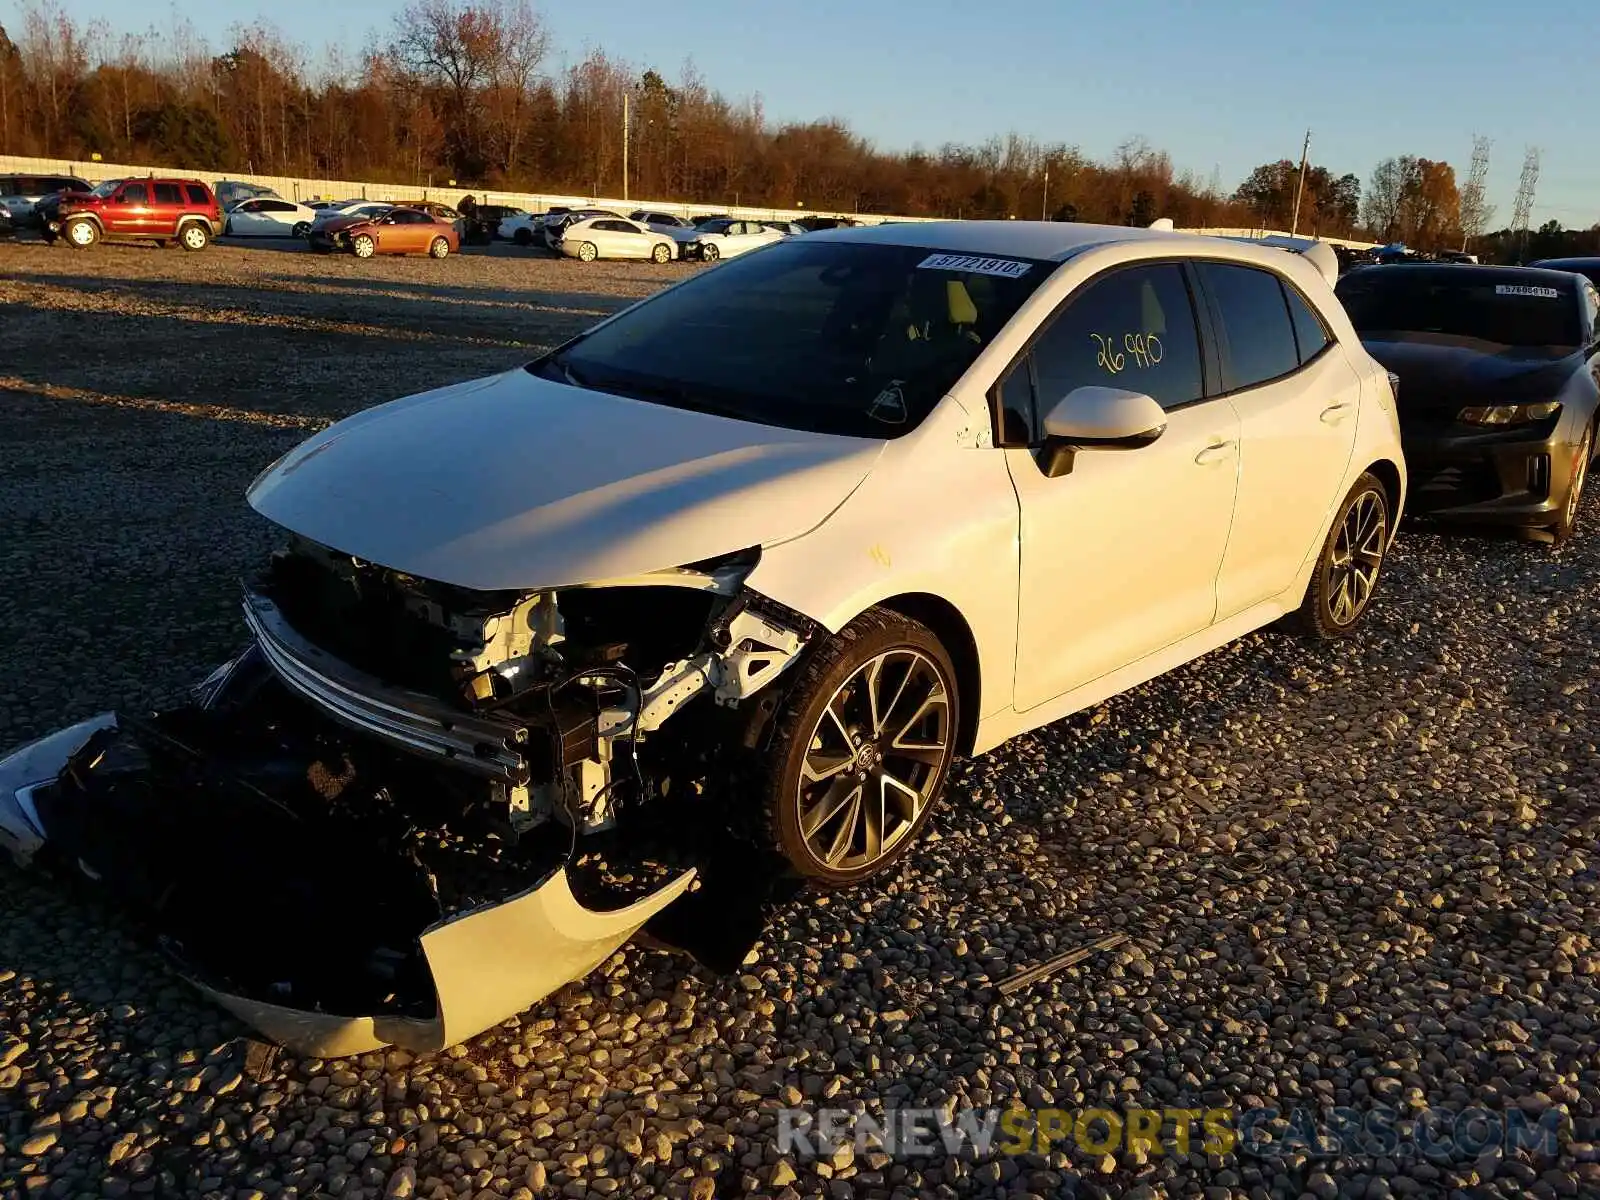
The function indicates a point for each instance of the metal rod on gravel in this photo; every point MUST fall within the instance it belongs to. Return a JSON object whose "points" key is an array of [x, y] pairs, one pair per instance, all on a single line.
{"points": [[1033, 974]]}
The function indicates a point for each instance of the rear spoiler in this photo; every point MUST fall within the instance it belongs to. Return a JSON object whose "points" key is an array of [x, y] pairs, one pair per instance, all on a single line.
{"points": [[1318, 253]]}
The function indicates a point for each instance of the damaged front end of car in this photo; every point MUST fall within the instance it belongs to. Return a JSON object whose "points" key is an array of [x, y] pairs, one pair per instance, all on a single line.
{"points": [[408, 810]]}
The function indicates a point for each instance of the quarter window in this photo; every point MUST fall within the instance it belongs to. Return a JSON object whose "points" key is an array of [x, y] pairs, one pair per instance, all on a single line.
{"points": [[1309, 331], [1255, 335], [197, 195]]}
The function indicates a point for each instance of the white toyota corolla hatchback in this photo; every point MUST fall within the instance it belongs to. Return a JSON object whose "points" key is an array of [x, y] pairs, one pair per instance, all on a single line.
{"points": [[761, 554]]}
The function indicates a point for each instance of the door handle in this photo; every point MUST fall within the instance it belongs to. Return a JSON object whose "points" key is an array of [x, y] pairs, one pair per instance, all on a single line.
{"points": [[1215, 452], [1335, 413]]}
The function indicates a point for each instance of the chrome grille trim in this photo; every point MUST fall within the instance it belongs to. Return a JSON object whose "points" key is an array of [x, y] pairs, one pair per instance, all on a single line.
{"points": [[420, 724]]}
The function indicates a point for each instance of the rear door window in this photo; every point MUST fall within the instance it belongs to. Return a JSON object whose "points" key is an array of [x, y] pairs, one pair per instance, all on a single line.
{"points": [[1255, 335], [168, 193]]}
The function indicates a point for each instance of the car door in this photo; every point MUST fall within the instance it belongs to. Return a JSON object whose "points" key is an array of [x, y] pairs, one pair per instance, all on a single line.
{"points": [[276, 217], [633, 239], [1298, 398], [166, 206], [129, 212], [603, 233], [1119, 557], [245, 220], [414, 229]]}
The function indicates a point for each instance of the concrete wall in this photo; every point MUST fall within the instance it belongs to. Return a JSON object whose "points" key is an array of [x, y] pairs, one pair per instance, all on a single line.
{"points": [[337, 189]]}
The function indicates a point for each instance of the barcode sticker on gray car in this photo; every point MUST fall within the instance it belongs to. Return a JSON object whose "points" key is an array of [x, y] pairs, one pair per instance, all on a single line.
{"points": [[1523, 289], [1006, 268]]}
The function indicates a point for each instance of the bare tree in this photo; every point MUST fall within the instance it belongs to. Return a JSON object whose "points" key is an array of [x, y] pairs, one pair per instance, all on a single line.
{"points": [[513, 78]]}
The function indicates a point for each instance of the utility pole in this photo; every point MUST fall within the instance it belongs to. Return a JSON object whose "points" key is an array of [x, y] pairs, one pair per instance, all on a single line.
{"points": [[1300, 187], [1044, 205], [624, 145]]}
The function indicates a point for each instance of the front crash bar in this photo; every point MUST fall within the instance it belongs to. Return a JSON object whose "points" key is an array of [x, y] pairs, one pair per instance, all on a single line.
{"points": [[482, 744], [487, 964]]}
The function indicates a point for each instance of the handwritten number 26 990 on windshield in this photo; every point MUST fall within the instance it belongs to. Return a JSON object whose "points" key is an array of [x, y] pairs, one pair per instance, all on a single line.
{"points": [[1143, 348]]}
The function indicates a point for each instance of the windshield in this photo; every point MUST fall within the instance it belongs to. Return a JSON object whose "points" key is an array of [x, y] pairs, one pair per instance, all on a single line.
{"points": [[106, 188], [830, 337], [1483, 307]]}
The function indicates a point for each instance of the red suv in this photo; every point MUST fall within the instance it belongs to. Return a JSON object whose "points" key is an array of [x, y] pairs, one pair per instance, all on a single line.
{"points": [[151, 209]]}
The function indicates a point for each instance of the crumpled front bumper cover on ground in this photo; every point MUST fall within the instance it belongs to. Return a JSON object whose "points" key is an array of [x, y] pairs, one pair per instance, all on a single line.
{"points": [[487, 964]]}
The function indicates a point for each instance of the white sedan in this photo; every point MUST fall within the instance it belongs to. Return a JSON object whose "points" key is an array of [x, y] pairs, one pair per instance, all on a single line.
{"points": [[748, 564], [725, 237], [615, 237], [348, 208], [269, 217]]}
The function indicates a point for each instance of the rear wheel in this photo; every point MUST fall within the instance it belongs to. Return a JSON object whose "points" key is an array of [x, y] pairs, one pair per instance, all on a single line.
{"points": [[1568, 519], [1347, 570], [363, 246], [194, 236], [860, 750], [81, 233], [587, 251], [440, 248]]}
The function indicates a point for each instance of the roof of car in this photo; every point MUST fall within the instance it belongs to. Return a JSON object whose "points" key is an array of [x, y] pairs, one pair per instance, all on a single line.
{"points": [[1466, 273], [1050, 240]]}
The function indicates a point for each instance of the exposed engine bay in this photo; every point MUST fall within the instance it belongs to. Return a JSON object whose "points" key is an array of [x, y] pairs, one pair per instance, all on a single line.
{"points": [[457, 801], [549, 699]]}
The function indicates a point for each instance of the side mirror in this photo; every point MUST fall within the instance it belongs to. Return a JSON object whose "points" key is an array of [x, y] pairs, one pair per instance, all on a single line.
{"points": [[1098, 418]]}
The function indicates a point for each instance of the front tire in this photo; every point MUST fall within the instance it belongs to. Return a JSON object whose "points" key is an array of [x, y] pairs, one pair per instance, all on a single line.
{"points": [[364, 246], [1347, 570], [439, 249], [860, 750], [1568, 520], [523, 237], [82, 233], [709, 252], [588, 252], [662, 253], [299, 229]]}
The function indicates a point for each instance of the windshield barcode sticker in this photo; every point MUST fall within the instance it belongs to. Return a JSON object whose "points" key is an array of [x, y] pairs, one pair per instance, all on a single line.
{"points": [[1006, 268], [1523, 289]]}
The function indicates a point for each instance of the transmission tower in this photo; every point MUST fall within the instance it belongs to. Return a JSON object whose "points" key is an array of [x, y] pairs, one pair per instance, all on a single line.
{"points": [[1475, 211], [1522, 207]]}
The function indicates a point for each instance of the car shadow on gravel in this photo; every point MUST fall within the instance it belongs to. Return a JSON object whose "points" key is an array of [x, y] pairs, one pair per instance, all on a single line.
{"points": [[594, 302], [416, 302]]}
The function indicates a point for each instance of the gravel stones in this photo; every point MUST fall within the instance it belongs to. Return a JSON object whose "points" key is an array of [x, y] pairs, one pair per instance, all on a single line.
{"points": [[1358, 873]]}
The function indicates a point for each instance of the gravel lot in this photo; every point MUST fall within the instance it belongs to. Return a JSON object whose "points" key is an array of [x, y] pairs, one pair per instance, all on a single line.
{"points": [[1351, 875]]}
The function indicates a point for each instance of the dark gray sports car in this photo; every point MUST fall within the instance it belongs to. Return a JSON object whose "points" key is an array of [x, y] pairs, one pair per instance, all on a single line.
{"points": [[1499, 371]]}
